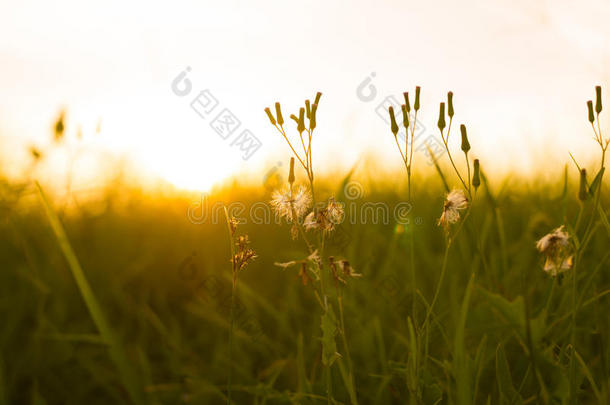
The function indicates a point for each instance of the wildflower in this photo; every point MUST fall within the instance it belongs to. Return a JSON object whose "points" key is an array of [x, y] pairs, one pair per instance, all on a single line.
{"points": [[326, 218], [558, 251], [456, 200], [289, 199], [334, 271], [304, 269], [341, 270], [348, 270], [244, 254], [233, 222]]}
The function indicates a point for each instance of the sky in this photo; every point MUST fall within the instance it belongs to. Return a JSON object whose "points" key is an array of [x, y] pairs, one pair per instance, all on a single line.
{"points": [[521, 72]]}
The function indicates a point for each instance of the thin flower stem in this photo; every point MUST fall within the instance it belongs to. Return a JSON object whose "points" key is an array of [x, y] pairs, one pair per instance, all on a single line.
{"points": [[468, 166], [445, 141], [234, 285], [400, 150], [439, 283], [412, 137], [588, 230], [281, 130]]}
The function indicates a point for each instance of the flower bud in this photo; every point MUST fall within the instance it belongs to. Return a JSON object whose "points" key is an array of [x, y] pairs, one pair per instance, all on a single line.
{"points": [[465, 143], [301, 123], [271, 117], [598, 99], [394, 126], [278, 113], [416, 105], [291, 173], [476, 176], [312, 119], [405, 116], [317, 100], [441, 117], [307, 109], [450, 104], [583, 193], [590, 108], [406, 95]]}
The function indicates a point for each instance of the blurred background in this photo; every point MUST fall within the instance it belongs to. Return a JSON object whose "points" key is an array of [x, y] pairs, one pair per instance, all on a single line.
{"points": [[141, 120], [521, 72]]}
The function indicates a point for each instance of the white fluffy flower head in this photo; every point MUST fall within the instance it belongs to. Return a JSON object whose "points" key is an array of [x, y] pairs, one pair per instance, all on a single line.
{"points": [[287, 199], [455, 201], [557, 250]]}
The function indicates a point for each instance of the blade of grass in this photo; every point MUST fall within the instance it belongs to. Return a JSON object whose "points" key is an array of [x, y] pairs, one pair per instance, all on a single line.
{"points": [[463, 377], [589, 376], [115, 348]]}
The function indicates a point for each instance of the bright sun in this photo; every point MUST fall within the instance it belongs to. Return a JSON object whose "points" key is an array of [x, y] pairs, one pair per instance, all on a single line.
{"points": [[192, 169]]}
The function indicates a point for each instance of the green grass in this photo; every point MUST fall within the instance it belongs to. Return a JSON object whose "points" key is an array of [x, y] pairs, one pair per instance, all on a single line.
{"points": [[123, 300]]}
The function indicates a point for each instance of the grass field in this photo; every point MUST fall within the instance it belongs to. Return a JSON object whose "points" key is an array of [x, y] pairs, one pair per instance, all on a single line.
{"points": [[127, 296]]}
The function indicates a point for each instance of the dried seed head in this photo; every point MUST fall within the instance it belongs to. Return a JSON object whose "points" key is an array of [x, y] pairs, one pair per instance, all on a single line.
{"points": [[465, 143], [454, 202], [301, 123], [558, 251], [312, 119], [476, 176], [441, 117], [291, 201], [416, 104], [450, 111], [307, 108], [278, 113], [394, 125], [270, 115], [291, 173], [406, 95], [583, 193], [405, 116], [598, 99], [590, 108]]}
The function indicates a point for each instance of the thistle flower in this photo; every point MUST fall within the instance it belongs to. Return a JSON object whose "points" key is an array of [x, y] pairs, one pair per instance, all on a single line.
{"points": [[557, 249], [455, 201], [326, 218], [297, 198]]}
